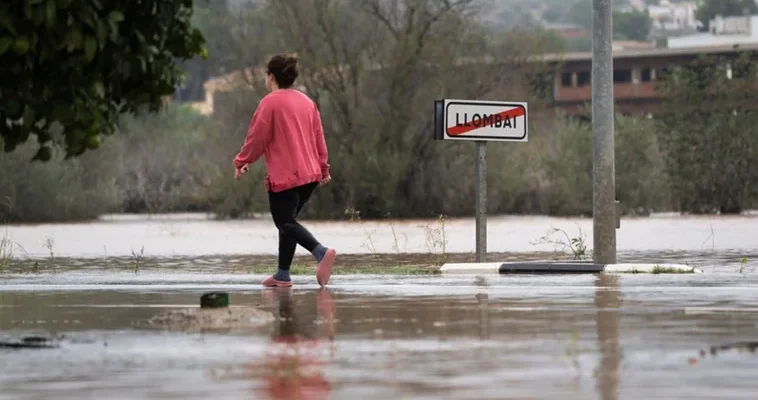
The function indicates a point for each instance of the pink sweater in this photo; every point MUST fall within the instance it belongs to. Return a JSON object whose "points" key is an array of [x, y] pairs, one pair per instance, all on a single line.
{"points": [[286, 129]]}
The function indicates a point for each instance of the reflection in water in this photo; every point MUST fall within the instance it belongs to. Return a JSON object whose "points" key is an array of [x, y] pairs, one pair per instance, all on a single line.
{"points": [[430, 345], [484, 315], [293, 363], [608, 302], [482, 298]]}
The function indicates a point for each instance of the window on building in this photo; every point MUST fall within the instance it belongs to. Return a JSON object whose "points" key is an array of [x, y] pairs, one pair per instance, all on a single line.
{"points": [[542, 84], [566, 79], [647, 75], [622, 76], [584, 78]]}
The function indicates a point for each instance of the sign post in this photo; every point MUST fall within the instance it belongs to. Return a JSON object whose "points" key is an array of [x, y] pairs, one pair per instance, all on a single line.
{"points": [[480, 122], [481, 201]]}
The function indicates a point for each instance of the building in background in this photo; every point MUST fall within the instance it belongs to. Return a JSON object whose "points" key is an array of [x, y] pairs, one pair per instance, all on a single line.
{"points": [[638, 5], [635, 74], [674, 18], [730, 31], [629, 45], [567, 31]]}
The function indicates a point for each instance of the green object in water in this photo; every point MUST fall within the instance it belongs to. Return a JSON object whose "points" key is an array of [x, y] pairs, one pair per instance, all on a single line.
{"points": [[214, 300]]}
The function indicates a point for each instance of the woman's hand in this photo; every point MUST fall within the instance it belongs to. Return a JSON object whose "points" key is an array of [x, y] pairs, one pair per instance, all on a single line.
{"points": [[238, 172], [325, 180]]}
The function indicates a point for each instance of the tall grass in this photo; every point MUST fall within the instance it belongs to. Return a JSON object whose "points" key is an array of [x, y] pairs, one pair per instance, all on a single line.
{"points": [[6, 252]]}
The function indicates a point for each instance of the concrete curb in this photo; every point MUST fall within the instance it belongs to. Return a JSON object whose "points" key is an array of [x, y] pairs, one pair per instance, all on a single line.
{"points": [[472, 268], [651, 269], [564, 267]]}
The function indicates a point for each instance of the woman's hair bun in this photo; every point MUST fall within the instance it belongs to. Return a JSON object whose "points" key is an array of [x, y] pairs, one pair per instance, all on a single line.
{"points": [[284, 68]]}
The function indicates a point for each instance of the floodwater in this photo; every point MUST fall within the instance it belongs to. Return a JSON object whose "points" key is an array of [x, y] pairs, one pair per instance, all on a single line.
{"points": [[369, 337], [190, 235], [378, 337]]}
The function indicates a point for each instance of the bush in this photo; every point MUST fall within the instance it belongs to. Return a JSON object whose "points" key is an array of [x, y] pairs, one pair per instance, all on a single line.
{"points": [[156, 164], [58, 190], [179, 161], [710, 135], [162, 164], [227, 197], [641, 184], [568, 163]]}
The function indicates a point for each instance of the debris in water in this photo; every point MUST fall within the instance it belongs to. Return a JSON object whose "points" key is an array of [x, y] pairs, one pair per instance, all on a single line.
{"points": [[214, 314], [209, 319], [214, 300], [742, 347], [30, 342]]}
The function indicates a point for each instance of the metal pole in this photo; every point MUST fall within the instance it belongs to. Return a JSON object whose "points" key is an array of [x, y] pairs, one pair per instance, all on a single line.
{"points": [[603, 163], [481, 201]]}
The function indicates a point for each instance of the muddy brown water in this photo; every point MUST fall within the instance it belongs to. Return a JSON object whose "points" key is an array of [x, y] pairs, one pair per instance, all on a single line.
{"points": [[380, 337]]}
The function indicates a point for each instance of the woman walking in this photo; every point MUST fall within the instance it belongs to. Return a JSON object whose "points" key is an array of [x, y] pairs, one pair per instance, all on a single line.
{"points": [[286, 129]]}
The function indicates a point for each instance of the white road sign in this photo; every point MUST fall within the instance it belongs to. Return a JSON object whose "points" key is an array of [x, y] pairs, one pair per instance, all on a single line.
{"points": [[481, 120]]}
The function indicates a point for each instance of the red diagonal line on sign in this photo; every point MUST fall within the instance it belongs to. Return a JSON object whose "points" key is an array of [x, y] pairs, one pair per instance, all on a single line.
{"points": [[461, 129]]}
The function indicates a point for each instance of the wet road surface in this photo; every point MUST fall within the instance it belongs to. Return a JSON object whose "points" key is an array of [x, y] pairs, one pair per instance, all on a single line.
{"points": [[370, 337]]}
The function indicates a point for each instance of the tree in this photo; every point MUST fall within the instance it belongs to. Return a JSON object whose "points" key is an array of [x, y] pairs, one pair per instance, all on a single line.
{"points": [[710, 133], [218, 24], [632, 25], [70, 68], [372, 66], [709, 9]]}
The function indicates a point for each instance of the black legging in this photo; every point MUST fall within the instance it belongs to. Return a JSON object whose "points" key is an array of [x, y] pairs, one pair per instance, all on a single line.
{"points": [[285, 206]]}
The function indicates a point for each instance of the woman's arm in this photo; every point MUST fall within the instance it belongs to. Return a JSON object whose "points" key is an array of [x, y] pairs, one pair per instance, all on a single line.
{"points": [[323, 153], [258, 136]]}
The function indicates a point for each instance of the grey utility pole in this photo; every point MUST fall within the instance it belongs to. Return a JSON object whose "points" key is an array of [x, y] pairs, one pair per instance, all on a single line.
{"points": [[603, 154]]}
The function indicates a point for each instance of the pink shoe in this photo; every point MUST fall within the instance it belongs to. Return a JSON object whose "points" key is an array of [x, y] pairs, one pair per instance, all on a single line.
{"points": [[272, 282], [324, 269]]}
